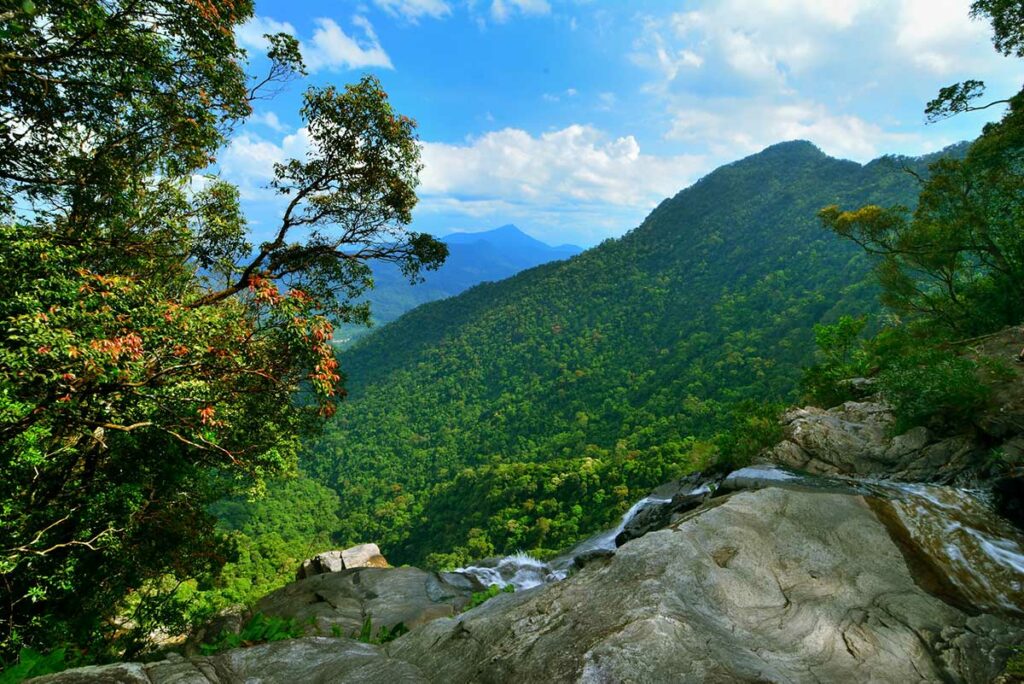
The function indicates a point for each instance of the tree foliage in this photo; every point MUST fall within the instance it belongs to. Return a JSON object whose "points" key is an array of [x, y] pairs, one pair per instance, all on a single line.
{"points": [[152, 359], [954, 267]]}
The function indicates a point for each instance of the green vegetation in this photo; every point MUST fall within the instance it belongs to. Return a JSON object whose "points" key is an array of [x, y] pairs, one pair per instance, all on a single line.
{"points": [[383, 635], [1015, 665], [32, 663], [528, 413], [480, 597], [260, 629], [951, 270], [153, 361]]}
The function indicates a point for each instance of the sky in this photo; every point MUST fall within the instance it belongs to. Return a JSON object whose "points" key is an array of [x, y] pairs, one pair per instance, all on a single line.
{"points": [[574, 118]]}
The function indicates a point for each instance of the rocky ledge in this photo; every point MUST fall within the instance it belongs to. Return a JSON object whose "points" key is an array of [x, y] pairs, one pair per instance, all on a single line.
{"points": [[783, 578]]}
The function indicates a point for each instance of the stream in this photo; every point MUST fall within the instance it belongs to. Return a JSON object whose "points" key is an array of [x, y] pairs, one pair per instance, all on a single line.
{"points": [[956, 547]]}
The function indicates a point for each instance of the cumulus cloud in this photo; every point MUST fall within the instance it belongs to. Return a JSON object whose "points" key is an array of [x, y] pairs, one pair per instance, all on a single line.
{"points": [[414, 10], [249, 159], [576, 165], [329, 48], [774, 42]]}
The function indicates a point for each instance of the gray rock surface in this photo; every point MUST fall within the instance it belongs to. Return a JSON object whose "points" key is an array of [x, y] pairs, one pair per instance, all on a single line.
{"points": [[310, 661], [776, 584], [770, 585], [340, 602], [854, 439]]}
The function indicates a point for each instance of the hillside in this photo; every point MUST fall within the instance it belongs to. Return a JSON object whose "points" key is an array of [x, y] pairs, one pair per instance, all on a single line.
{"points": [[473, 258], [527, 412]]}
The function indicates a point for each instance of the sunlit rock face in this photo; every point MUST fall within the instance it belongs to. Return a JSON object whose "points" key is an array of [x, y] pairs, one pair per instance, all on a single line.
{"points": [[785, 578], [775, 584]]}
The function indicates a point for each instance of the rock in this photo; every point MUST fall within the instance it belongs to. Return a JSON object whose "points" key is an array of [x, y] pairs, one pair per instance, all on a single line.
{"points": [[773, 584], [230, 620], [682, 495], [854, 439], [359, 556], [594, 555], [781, 583], [1008, 496], [363, 556], [315, 660], [339, 602]]}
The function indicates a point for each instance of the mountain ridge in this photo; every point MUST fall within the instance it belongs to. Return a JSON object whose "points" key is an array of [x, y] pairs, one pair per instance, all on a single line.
{"points": [[613, 368]]}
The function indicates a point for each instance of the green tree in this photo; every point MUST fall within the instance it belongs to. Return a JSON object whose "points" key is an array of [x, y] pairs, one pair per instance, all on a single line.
{"points": [[152, 360], [956, 263]]}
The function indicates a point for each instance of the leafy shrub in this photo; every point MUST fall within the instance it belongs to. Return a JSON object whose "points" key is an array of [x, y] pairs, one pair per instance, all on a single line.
{"points": [[32, 663], [754, 426], [841, 356], [487, 594], [384, 633], [1015, 665], [260, 629], [933, 387]]}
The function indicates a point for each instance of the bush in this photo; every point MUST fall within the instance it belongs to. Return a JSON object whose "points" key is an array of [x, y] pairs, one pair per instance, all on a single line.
{"points": [[260, 629], [933, 387], [481, 597]]}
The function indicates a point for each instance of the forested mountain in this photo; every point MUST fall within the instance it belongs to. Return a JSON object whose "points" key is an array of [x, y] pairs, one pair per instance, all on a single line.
{"points": [[473, 258], [524, 413]]}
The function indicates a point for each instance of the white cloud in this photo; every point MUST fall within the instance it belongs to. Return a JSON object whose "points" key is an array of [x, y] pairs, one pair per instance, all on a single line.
{"points": [[576, 165], [248, 161], [732, 128], [502, 10], [774, 42], [414, 10], [250, 34], [268, 119], [330, 47]]}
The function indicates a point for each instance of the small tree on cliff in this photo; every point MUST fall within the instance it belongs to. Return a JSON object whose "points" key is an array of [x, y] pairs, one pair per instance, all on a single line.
{"points": [[152, 360]]}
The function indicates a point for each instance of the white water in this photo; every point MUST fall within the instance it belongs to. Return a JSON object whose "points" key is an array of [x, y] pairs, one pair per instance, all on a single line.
{"points": [[980, 554], [523, 571]]}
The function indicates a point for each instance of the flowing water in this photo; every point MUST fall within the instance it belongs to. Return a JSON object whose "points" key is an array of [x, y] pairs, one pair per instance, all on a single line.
{"points": [[523, 571], [955, 545]]}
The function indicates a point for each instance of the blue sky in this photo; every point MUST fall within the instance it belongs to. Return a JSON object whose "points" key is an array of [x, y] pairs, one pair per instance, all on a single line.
{"points": [[574, 118]]}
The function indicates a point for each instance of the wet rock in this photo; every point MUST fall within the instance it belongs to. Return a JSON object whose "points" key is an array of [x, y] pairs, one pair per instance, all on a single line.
{"points": [[1008, 496], [667, 502], [593, 556]]}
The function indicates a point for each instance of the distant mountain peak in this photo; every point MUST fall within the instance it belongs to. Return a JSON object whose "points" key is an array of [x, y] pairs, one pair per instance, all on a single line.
{"points": [[506, 236], [792, 148]]}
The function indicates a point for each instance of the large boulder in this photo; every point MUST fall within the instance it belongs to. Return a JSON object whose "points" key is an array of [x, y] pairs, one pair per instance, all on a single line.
{"points": [[775, 585], [340, 602], [856, 439], [359, 556]]}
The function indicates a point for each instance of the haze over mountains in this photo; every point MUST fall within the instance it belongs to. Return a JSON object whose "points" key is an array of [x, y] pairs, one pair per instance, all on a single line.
{"points": [[572, 387], [473, 258]]}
